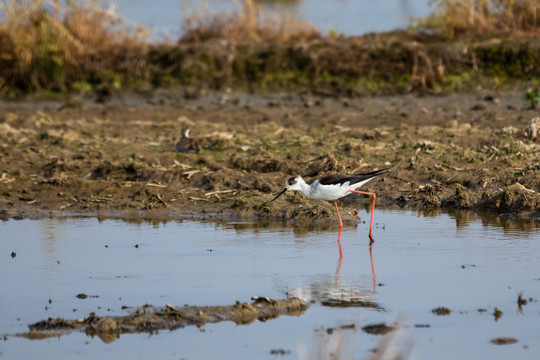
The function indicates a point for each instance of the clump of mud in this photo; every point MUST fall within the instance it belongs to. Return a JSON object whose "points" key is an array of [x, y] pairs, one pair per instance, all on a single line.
{"points": [[152, 318]]}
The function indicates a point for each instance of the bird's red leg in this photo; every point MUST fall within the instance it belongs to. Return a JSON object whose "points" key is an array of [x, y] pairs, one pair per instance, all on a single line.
{"points": [[340, 250], [340, 254], [339, 235], [339, 217], [372, 268], [372, 210]]}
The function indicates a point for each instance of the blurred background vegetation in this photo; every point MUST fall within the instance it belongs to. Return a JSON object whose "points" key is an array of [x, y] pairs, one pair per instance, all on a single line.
{"points": [[64, 46]]}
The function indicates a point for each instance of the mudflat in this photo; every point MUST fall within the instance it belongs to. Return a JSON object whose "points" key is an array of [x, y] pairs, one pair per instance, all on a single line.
{"points": [[179, 151]]}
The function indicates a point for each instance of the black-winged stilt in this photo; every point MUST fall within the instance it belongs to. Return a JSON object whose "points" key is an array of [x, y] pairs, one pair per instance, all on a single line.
{"points": [[334, 187]]}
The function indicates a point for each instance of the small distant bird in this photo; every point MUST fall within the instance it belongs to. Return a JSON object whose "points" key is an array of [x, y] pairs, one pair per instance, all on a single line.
{"points": [[187, 144], [334, 187]]}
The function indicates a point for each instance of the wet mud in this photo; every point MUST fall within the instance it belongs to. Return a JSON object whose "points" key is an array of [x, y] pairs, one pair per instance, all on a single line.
{"points": [[225, 155], [154, 318]]}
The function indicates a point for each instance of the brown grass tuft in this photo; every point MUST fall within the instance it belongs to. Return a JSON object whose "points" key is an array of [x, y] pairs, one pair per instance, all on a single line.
{"points": [[248, 23], [49, 46], [457, 17]]}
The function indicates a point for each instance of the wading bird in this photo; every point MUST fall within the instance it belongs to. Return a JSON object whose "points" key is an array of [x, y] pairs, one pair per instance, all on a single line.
{"points": [[334, 187]]}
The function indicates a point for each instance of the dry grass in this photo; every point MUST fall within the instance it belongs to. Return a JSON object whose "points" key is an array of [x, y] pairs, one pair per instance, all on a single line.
{"points": [[456, 17], [249, 23], [47, 43]]}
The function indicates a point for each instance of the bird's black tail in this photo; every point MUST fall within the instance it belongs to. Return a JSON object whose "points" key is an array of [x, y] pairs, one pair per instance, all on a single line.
{"points": [[374, 173]]}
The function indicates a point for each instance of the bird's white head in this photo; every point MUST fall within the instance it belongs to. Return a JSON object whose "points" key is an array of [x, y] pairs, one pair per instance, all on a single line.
{"points": [[293, 183]]}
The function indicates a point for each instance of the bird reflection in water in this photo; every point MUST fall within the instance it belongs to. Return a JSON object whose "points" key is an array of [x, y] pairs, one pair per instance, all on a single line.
{"points": [[340, 291], [340, 262]]}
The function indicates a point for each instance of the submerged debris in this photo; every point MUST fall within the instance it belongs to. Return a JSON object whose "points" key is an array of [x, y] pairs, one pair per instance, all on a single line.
{"points": [[521, 301], [504, 341], [378, 329], [441, 311], [497, 313]]}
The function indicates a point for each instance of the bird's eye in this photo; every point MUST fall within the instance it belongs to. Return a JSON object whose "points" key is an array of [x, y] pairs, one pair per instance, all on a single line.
{"points": [[291, 181]]}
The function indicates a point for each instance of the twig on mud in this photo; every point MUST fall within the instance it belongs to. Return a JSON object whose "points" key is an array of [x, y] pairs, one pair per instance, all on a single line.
{"points": [[156, 185], [63, 207], [198, 199], [158, 196], [170, 307], [182, 165], [190, 189], [5, 179], [189, 174], [218, 192]]}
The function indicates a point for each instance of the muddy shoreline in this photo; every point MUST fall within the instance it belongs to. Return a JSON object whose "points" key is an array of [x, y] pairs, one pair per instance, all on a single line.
{"points": [[460, 150]]}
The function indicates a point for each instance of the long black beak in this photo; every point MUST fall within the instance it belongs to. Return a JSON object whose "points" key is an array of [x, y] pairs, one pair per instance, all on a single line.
{"points": [[281, 193]]}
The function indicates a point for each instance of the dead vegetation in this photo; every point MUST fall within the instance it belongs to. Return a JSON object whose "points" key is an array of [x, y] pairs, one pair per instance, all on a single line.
{"points": [[454, 18], [49, 45], [249, 23]]}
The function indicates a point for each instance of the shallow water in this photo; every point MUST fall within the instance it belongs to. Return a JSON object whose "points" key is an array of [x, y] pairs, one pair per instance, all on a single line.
{"points": [[420, 262], [350, 17]]}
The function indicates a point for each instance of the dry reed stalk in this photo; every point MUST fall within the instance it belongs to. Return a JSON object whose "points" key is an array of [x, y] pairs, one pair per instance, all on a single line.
{"points": [[249, 23], [47, 43], [457, 17]]}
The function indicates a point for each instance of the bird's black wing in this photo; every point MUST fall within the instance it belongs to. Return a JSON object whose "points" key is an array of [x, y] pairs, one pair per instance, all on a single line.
{"points": [[352, 178]]}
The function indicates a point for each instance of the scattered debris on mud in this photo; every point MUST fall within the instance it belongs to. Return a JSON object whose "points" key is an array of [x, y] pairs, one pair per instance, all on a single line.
{"points": [[152, 318]]}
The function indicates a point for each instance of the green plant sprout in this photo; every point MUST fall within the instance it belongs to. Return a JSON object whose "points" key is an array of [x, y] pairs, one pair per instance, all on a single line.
{"points": [[533, 96]]}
